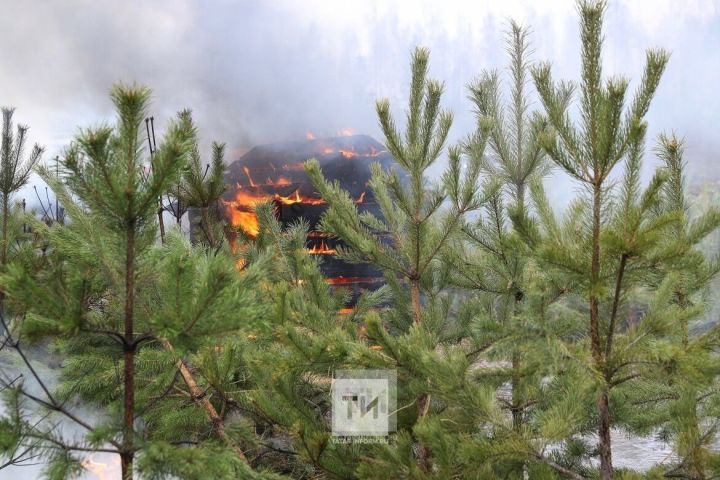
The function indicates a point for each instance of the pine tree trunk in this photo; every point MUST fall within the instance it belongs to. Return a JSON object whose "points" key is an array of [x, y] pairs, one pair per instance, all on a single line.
{"points": [[128, 453], [517, 399], [516, 409], [603, 405], [603, 400], [515, 379], [423, 453], [161, 223], [423, 401], [415, 302], [5, 210], [205, 219]]}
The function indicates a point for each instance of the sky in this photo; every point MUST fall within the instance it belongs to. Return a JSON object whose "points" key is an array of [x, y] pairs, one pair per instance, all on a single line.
{"points": [[256, 72]]}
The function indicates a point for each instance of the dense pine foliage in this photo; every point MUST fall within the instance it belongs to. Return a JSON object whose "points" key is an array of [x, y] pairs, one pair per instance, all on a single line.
{"points": [[522, 334]]}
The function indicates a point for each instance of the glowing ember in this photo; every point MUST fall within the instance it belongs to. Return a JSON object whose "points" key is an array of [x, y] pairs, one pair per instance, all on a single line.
{"points": [[280, 182], [347, 280], [352, 152], [347, 153]]}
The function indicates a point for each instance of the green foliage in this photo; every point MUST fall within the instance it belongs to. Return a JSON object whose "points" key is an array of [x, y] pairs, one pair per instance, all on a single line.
{"points": [[626, 249], [201, 187], [104, 269]]}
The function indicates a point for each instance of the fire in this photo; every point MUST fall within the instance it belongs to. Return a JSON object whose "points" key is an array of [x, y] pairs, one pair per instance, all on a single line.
{"points": [[240, 210], [346, 280], [352, 152], [247, 172], [347, 153], [346, 132], [321, 249], [248, 221], [247, 199], [361, 198], [310, 136], [280, 182]]}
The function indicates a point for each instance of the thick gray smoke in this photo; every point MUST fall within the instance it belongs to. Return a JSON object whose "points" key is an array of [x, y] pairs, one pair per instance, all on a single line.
{"points": [[256, 72]]}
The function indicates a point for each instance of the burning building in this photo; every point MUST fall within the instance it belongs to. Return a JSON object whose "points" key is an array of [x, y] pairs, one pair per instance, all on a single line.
{"points": [[275, 173]]}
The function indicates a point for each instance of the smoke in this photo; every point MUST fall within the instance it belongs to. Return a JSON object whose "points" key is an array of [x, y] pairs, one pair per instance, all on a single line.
{"points": [[257, 72]]}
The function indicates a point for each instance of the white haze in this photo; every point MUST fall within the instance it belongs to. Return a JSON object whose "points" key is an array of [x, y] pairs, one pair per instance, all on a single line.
{"points": [[258, 72]]}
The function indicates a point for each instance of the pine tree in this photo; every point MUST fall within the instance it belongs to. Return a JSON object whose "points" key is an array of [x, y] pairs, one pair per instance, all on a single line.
{"points": [[510, 295], [419, 221], [201, 188], [682, 401], [15, 169], [611, 241], [110, 297], [291, 357]]}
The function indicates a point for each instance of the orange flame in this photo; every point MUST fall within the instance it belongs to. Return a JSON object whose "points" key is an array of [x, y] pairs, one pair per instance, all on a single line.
{"points": [[347, 153], [247, 172], [280, 182], [346, 280], [361, 198], [240, 211], [310, 136], [248, 221], [346, 132], [321, 249], [351, 152]]}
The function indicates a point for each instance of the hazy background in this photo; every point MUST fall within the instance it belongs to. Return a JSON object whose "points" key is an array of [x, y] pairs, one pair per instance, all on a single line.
{"points": [[263, 71]]}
